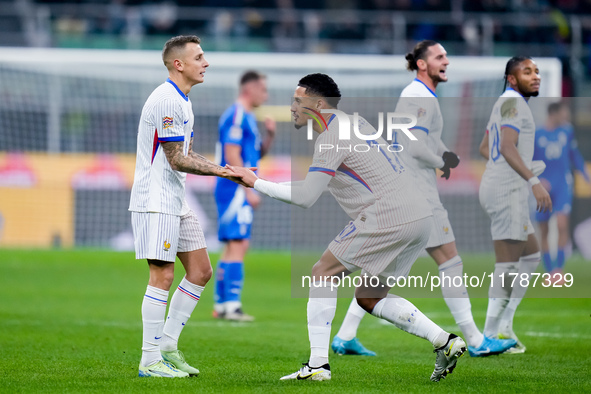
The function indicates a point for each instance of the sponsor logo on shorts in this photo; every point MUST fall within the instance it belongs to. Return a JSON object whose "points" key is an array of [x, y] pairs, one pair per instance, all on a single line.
{"points": [[166, 246], [445, 229], [524, 227]]}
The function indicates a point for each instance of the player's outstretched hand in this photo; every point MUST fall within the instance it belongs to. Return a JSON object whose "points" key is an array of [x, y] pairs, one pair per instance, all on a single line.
{"points": [[230, 174], [543, 201], [247, 176]]}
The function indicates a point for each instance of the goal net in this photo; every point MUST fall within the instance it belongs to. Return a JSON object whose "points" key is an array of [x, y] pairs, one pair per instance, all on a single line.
{"points": [[69, 125]]}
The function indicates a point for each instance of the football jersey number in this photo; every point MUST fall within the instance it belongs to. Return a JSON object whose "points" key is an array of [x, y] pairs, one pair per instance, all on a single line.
{"points": [[398, 168], [348, 230], [495, 152]]}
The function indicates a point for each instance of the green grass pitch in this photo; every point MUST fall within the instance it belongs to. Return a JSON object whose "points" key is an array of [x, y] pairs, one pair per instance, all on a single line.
{"points": [[71, 322]]}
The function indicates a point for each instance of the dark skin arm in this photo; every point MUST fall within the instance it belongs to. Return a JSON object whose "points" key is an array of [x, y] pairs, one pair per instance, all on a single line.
{"points": [[509, 139]]}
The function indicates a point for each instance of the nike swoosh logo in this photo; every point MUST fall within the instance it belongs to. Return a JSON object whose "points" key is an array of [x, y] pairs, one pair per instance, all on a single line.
{"points": [[448, 351], [186, 122], [183, 324], [300, 377], [157, 337]]}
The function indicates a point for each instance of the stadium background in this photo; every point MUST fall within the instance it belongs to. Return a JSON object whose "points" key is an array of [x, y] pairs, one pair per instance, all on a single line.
{"points": [[73, 79], [72, 93]]}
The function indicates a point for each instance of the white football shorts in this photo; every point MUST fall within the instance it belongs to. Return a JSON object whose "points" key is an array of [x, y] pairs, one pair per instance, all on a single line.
{"points": [[383, 252], [159, 236], [508, 211], [441, 231]]}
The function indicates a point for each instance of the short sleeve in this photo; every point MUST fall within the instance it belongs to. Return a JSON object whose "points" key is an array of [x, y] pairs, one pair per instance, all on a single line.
{"points": [[510, 114], [421, 107], [169, 121]]}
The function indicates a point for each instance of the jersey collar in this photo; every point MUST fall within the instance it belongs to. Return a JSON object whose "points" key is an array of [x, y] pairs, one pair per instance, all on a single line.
{"points": [[515, 93], [183, 95], [432, 92], [330, 120]]}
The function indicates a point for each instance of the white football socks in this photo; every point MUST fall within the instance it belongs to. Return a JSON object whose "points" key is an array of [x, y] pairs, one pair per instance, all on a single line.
{"points": [[153, 312], [498, 296], [407, 317], [182, 304], [321, 309], [527, 266], [351, 322], [457, 300]]}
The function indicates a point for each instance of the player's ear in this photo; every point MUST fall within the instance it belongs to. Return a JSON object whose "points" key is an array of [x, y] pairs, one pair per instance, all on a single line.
{"points": [[177, 64], [320, 104], [421, 64], [511, 79]]}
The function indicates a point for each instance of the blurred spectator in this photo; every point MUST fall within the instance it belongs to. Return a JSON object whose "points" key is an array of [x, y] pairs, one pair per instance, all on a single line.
{"points": [[348, 28], [161, 18], [380, 35], [287, 33]]}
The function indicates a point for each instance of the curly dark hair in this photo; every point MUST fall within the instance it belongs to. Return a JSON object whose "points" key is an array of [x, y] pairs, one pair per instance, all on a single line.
{"points": [[321, 85], [512, 65]]}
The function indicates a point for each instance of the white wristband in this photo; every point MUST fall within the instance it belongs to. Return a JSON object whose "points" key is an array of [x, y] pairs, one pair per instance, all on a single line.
{"points": [[534, 180]]}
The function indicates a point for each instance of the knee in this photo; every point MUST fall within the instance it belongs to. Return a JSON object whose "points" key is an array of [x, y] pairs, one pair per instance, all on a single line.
{"points": [[206, 274], [162, 278], [200, 277], [367, 303]]}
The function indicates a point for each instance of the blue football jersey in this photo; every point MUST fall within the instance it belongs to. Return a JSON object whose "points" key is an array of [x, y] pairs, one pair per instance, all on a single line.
{"points": [[558, 149], [237, 126]]}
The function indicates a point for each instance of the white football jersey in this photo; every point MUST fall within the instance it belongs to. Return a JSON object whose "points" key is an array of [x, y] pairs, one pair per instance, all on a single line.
{"points": [[167, 116], [369, 182], [510, 110], [417, 99]]}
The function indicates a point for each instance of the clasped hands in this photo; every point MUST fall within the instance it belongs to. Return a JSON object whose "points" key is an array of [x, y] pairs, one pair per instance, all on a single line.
{"points": [[241, 175]]}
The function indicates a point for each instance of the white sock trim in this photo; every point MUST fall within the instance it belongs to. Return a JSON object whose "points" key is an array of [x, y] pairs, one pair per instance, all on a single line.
{"points": [[450, 263]]}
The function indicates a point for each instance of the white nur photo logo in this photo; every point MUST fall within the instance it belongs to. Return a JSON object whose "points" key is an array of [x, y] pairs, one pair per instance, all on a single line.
{"points": [[392, 123]]}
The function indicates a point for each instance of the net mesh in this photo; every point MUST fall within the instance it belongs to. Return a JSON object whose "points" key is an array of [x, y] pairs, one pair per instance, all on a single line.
{"points": [[69, 126]]}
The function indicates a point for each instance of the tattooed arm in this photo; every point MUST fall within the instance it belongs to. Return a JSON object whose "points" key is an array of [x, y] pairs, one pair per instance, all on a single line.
{"points": [[193, 163]]}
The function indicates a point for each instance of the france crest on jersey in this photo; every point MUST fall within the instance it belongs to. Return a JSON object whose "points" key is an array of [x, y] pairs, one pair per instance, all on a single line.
{"points": [[238, 127]]}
